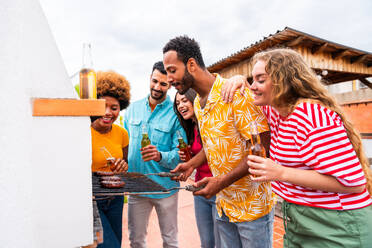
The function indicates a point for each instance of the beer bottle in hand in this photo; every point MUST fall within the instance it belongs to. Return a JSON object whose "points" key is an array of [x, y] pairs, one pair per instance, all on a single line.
{"points": [[256, 148], [183, 146], [88, 77], [145, 137]]}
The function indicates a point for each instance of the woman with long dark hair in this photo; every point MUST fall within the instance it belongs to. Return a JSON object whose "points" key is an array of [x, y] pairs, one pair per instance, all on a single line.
{"points": [[205, 209]]}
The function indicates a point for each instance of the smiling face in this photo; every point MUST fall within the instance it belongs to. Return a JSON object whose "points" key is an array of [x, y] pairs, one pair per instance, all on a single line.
{"points": [[111, 114], [158, 86], [184, 107], [262, 85], [177, 74]]}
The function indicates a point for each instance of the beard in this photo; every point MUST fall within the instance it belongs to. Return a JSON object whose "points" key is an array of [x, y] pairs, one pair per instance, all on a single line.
{"points": [[186, 83], [161, 95]]}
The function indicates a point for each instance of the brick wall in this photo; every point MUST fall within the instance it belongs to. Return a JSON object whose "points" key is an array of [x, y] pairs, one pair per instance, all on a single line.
{"points": [[361, 116]]}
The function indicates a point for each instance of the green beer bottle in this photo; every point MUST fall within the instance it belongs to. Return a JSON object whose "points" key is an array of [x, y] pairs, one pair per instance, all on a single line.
{"points": [[145, 137]]}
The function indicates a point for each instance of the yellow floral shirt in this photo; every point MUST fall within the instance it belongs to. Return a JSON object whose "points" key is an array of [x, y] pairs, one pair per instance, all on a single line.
{"points": [[224, 131]]}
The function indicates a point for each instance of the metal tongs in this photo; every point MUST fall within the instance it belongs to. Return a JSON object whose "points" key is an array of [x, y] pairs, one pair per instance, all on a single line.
{"points": [[189, 188], [164, 174], [176, 174]]}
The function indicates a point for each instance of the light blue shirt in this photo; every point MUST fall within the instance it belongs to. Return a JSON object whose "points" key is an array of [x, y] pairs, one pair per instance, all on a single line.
{"points": [[162, 126]]}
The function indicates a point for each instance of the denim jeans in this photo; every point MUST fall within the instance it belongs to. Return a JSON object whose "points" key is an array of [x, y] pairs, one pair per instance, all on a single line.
{"points": [[205, 215], [111, 213], [249, 234]]}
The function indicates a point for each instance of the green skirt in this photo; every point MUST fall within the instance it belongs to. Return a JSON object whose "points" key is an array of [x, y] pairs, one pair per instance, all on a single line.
{"points": [[310, 227]]}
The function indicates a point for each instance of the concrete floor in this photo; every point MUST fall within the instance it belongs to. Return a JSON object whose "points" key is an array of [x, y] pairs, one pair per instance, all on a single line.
{"points": [[188, 236]]}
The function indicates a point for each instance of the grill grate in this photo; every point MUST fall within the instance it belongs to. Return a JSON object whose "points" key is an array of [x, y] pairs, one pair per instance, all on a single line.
{"points": [[134, 183]]}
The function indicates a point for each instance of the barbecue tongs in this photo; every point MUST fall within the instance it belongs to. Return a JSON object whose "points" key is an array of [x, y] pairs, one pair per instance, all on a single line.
{"points": [[165, 174], [189, 188], [175, 174]]}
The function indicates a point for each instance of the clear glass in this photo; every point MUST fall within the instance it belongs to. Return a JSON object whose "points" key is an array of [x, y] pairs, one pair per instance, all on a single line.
{"points": [[256, 148], [88, 77]]}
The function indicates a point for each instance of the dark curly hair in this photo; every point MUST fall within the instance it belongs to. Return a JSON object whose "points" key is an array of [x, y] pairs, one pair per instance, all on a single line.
{"points": [[186, 48], [110, 83]]}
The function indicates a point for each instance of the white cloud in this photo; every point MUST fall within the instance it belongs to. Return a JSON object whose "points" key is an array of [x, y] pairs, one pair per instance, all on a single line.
{"points": [[128, 36]]}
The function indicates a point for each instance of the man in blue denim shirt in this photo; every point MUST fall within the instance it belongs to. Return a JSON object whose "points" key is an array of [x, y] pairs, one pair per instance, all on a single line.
{"points": [[155, 114]]}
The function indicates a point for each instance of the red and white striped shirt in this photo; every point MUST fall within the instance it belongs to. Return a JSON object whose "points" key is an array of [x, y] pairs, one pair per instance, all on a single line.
{"points": [[313, 137]]}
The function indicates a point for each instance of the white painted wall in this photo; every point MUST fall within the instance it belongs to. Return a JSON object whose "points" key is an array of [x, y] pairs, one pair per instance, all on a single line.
{"points": [[367, 145], [346, 87], [45, 180], [340, 87]]}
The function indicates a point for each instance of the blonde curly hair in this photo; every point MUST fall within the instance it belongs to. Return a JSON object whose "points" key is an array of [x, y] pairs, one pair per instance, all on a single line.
{"points": [[294, 80], [110, 83]]}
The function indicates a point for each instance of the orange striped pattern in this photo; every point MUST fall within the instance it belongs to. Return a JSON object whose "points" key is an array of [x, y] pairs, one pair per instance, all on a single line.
{"points": [[224, 129]]}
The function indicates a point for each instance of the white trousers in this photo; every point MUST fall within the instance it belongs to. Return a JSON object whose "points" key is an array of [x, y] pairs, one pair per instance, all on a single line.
{"points": [[139, 210]]}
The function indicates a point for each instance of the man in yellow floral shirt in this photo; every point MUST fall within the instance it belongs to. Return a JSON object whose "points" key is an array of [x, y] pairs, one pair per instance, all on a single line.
{"points": [[244, 208]]}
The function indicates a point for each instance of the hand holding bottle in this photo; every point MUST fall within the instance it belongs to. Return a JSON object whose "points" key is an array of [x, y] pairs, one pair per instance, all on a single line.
{"points": [[184, 148], [264, 169], [145, 142], [255, 148], [183, 155], [150, 152]]}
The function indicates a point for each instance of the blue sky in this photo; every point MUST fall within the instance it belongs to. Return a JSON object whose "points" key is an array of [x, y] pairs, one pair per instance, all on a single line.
{"points": [[128, 36]]}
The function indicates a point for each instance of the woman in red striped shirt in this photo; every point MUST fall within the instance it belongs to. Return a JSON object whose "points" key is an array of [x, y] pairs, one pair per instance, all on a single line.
{"points": [[316, 164]]}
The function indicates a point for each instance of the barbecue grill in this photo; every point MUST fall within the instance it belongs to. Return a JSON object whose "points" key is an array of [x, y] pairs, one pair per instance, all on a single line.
{"points": [[135, 184]]}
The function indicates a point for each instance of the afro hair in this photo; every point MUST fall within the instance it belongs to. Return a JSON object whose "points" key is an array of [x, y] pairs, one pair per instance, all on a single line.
{"points": [[110, 83]]}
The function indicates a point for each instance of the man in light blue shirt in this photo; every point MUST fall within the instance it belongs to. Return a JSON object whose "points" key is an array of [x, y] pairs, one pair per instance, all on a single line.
{"points": [[155, 115]]}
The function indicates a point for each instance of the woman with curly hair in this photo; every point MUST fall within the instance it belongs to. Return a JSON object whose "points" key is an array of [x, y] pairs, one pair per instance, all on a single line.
{"points": [[106, 135], [316, 163]]}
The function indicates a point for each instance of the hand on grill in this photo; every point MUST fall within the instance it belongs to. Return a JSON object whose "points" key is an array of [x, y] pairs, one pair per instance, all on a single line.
{"points": [[212, 185], [185, 170], [192, 188]]}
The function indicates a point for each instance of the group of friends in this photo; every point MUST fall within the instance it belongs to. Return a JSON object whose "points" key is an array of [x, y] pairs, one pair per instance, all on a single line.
{"points": [[316, 161]]}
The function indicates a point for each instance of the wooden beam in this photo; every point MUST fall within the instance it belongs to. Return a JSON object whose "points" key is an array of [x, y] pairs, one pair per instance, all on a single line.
{"points": [[270, 38], [339, 54], [319, 48], [68, 107], [366, 82], [342, 77], [294, 42], [358, 59]]}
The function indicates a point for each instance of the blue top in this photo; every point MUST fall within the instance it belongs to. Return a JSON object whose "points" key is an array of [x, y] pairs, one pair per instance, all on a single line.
{"points": [[162, 125]]}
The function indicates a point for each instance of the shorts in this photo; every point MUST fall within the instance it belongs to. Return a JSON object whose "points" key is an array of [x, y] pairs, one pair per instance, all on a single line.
{"points": [[311, 227]]}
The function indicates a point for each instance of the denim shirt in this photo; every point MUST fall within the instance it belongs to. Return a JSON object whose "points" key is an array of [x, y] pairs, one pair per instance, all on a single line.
{"points": [[162, 126]]}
